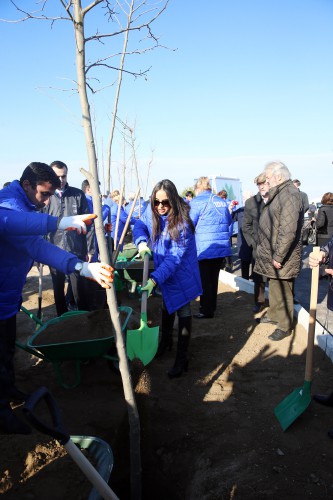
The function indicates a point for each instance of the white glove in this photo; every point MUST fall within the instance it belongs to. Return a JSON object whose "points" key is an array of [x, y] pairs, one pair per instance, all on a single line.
{"points": [[97, 271], [77, 222], [143, 249]]}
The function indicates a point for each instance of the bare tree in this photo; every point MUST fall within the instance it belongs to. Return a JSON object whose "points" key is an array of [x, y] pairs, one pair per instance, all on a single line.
{"points": [[139, 17]]}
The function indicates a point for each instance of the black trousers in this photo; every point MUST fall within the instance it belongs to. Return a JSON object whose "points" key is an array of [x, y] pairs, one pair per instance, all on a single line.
{"points": [[7, 351], [209, 273], [80, 291]]}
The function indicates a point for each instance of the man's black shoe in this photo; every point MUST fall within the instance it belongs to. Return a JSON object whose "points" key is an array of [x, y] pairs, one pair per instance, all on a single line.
{"points": [[324, 399], [266, 319], [203, 316], [279, 334]]}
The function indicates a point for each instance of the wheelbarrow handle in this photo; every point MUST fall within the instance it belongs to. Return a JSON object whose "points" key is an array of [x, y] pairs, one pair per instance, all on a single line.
{"points": [[58, 430]]}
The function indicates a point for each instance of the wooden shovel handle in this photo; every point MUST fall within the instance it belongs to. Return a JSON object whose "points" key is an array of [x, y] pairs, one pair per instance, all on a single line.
{"points": [[120, 200], [144, 297], [312, 319]]}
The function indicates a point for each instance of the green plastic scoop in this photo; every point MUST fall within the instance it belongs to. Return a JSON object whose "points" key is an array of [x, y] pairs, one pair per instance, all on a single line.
{"points": [[297, 402], [143, 343]]}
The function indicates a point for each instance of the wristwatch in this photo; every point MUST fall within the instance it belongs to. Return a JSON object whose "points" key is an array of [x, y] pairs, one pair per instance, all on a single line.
{"points": [[79, 266]]}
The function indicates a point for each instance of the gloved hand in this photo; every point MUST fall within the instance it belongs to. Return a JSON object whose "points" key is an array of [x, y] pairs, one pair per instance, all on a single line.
{"points": [[97, 271], [77, 222], [143, 249], [108, 227], [149, 286]]}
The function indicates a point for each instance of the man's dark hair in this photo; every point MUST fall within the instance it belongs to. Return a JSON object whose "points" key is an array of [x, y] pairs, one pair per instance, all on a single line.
{"points": [[84, 185], [39, 173], [59, 164]]}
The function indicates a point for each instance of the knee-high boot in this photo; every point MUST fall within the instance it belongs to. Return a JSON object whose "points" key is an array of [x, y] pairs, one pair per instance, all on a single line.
{"points": [[184, 335], [166, 338]]}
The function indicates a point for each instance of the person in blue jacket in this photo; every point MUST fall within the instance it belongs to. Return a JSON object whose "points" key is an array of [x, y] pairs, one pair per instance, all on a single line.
{"points": [[105, 213], [139, 208], [115, 195], [211, 218], [18, 252], [97, 296], [228, 264], [167, 227]]}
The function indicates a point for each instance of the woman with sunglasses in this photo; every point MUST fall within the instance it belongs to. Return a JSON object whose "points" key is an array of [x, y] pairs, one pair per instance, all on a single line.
{"points": [[168, 229]]}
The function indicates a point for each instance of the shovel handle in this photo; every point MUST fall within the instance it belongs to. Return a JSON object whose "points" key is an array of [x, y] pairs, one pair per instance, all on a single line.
{"points": [[144, 281], [59, 433], [90, 472], [312, 319], [58, 430], [123, 234], [40, 291]]}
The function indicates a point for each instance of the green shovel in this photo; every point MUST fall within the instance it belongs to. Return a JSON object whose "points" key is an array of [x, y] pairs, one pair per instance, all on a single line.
{"points": [[143, 343], [297, 402]]}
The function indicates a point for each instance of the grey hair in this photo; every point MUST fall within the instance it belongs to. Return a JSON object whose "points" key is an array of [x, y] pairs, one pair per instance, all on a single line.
{"points": [[278, 168], [260, 178]]}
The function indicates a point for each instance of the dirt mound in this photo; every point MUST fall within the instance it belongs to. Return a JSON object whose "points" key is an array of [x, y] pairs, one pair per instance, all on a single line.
{"points": [[211, 434]]}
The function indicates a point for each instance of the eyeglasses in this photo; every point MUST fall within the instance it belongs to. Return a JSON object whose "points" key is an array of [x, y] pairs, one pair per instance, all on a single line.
{"points": [[164, 203]]}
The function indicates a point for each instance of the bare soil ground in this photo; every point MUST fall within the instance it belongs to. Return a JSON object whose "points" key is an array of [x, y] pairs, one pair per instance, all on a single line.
{"points": [[211, 434]]}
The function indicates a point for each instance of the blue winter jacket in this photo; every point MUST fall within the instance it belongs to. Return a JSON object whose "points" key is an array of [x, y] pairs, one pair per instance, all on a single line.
{"points": [[105, 212], [18, 253], [140, 207], [121, 225], [28, 223], [211, 218], [176, 264]]}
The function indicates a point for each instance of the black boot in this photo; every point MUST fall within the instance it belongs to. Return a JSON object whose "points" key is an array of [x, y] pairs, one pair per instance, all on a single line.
{"points": [[167, 327], [184, 335], [10, 424]]}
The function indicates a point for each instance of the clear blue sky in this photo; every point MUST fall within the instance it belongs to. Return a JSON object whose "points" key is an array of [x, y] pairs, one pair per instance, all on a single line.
{"points": [[250, 82]]}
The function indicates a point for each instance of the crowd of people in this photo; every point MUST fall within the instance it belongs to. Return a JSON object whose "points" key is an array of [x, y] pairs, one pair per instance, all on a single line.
{"points": [[189, 239]]}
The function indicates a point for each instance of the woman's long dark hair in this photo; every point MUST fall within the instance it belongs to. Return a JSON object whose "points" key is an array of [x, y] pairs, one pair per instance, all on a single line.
{"points": [[178, 216]]}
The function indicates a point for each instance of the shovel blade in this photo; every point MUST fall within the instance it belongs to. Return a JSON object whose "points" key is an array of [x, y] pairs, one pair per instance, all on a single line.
{"points": [[142, 343], [293, 405]]}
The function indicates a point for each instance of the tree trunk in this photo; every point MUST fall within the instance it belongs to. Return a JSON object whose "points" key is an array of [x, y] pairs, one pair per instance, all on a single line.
{"points": [[92, 175]]}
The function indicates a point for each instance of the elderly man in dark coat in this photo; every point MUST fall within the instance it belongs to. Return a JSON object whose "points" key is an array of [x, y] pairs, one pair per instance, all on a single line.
{"points": [[252, 210], [279, 249]]}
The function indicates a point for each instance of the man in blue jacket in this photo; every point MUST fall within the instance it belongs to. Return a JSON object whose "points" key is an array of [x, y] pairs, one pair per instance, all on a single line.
{"points": [[97, 296], [18, 252]]}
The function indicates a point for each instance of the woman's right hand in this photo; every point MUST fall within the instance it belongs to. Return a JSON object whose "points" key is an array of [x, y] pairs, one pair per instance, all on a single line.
{"points": [[143, 249]]}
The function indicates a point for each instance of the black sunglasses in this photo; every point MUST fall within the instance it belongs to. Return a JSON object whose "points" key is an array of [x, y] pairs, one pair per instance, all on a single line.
{"points": [[164, 203]]}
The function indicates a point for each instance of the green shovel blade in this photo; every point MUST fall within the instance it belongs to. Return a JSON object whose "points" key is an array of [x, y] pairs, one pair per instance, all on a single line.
{"points": [[143, 342], [293, 405]]}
